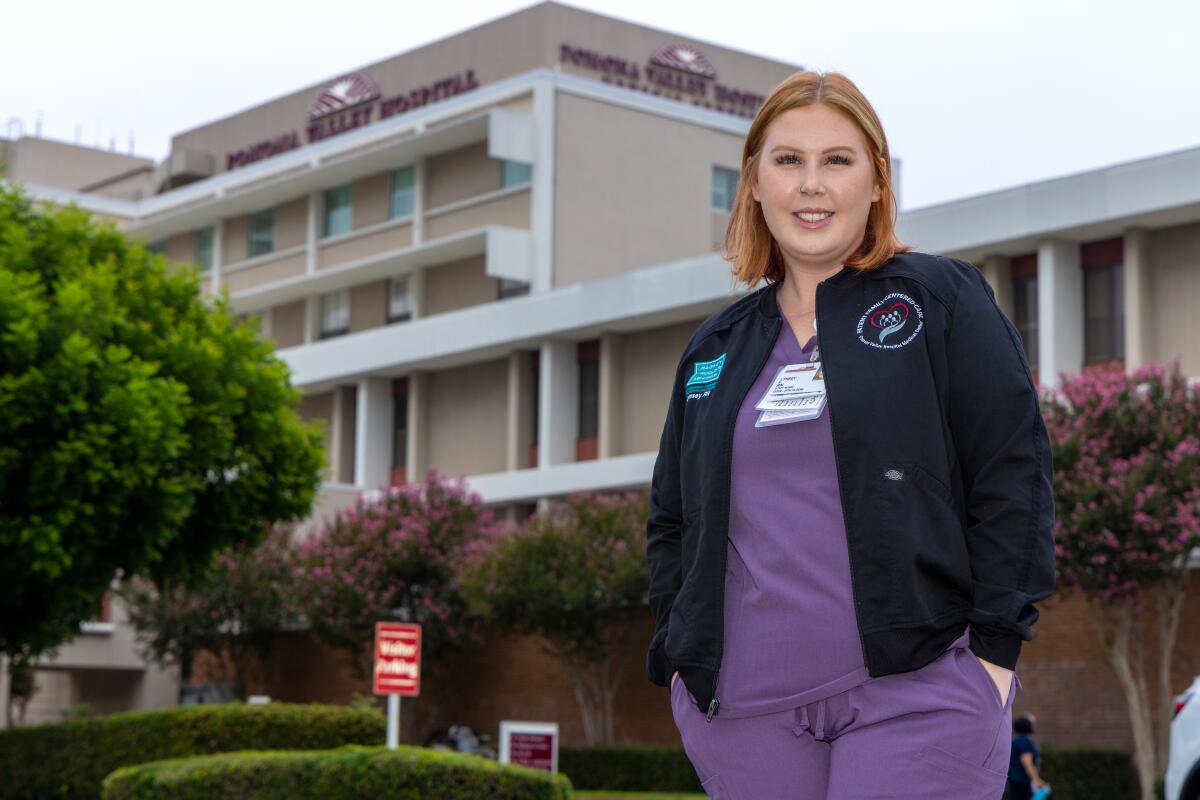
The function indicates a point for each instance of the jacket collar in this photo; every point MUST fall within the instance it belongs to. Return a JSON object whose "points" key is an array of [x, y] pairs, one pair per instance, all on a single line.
{"points": [[767, 304]]}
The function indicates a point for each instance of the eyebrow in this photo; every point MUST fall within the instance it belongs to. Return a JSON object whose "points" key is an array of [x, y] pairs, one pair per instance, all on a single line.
{"points": [[801, 150]]}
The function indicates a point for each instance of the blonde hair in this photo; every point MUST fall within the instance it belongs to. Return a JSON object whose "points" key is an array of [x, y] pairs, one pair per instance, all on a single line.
{"points": [[749, 244]]}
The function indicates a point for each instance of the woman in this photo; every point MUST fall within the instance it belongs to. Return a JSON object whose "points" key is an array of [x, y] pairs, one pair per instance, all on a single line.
{"points": [[850, 512], [1025, 763]]}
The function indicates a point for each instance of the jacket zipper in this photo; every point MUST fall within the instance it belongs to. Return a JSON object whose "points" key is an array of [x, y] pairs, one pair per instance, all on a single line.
{"points": [[715, 703], [842, 496]]}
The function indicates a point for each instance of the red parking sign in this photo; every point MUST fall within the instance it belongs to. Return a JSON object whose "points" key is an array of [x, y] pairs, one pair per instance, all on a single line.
{"points": [[398, 658]]}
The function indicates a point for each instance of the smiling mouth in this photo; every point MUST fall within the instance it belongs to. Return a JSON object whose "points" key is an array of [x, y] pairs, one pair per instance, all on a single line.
{"points": [[812, 216]]}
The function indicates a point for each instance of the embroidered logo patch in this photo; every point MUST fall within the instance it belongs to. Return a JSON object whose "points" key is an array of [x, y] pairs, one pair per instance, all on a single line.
{"points": [[704, 377], [892, 322]]}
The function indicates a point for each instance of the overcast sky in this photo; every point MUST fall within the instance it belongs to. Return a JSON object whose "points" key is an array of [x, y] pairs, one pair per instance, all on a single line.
{"points": [[974, 96]]}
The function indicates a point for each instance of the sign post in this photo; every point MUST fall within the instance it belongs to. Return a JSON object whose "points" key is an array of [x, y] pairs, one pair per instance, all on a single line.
{"points": [[530, 744], [397, 669]]}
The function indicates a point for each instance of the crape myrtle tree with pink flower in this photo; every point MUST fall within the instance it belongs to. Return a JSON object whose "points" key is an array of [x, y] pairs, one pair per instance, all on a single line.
{"points": [[575, 578], [1126, 451], [396, 556]]}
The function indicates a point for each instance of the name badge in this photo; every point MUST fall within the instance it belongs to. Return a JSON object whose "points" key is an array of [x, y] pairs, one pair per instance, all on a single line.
{"points": [[796, 393]]}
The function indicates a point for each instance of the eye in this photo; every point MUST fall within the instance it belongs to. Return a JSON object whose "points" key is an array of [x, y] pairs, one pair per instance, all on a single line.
{"points": [[790, 158]]}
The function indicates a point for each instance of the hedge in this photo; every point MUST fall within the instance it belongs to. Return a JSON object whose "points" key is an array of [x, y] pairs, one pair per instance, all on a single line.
{"points": [[629, 768], [69, 760], [348, 773]]}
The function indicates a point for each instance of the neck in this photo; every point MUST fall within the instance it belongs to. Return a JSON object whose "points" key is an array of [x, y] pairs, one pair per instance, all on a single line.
{"points": [[797, 294]]}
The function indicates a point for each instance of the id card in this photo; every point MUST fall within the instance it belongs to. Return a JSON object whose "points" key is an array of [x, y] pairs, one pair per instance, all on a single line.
{"points": [[792, 384], [807, 408]]}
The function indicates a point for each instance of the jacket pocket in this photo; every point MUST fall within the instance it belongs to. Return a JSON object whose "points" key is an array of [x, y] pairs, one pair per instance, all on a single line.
{"points": [[931, 570]]}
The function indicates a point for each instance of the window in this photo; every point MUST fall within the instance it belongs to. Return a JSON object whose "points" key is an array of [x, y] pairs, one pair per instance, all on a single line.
{"points": [[1103, 313], [512, 288], [399, 299], [400, 203], [588, 356], [260, 233], [1025, 305], [724, 188], [1103, 299], [338, 210], [158, 248], [335, 313], [204, 248], [514, 173]]}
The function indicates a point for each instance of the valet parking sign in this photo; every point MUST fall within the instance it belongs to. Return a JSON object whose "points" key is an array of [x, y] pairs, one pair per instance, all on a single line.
{"points": [[398, 658], [397, 669]]}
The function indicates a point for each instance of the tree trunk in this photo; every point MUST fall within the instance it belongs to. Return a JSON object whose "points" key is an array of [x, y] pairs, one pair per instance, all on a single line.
{"points": [[1170, 609], [1121, 638]]}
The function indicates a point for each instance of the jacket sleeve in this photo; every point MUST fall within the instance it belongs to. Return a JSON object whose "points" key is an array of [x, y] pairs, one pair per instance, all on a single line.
{"points": [[664, 532], [1004, 456]]}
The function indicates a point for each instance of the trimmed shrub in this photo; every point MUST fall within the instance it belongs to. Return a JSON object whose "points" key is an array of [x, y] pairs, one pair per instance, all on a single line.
{"points": [[630, 768], [349, 773], [69, 760]]}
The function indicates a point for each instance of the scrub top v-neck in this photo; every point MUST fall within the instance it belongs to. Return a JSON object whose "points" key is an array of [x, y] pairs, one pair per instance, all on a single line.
{"points": [[791, 636]]}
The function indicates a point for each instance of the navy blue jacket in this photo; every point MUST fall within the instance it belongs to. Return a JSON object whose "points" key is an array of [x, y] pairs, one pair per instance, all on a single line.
{"points": [[943, 466]]}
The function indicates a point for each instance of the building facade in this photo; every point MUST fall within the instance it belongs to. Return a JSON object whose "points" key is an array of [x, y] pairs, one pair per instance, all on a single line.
{"points": [[484, 256]]}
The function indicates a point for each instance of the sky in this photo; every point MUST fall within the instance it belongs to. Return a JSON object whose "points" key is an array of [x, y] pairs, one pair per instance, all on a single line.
{"points": [[974, 97]]}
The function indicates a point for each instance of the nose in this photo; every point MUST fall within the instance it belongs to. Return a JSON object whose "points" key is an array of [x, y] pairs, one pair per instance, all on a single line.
{"points": [[810, 181]]}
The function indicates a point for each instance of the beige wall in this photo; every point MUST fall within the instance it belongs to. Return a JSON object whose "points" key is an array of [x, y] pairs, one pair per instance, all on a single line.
{"points": [[459, 174], [320, 406], [603, 157], [233, 240], [1174, 279], [646, 369], [498, 48], [458, 284], [291, 223], [370, 199], [368, 306], [345, 250], [76, 168], [182, 247], [468, 418], [287, 324], [510, 209], [269, 271]]}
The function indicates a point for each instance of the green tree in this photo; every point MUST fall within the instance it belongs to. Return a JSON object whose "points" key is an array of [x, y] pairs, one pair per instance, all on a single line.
{"points": [[575, 577], [141, 429]]}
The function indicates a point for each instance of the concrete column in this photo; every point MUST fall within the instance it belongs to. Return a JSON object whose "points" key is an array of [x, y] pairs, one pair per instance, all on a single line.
{"points": [[418, 429], [373, 433], [215, 272], [558, 403], [312, 232], [541, 199], [610, 369], [1137, 277], [998, 271], [342, 434], [416, 293], [1060, 310]]}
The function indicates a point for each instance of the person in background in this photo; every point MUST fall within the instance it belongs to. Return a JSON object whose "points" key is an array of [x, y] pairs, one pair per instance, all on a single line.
{"points": [[1023, 776]]}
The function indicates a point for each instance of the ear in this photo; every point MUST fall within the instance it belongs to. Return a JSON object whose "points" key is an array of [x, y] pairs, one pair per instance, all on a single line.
{"points": [[876, 193], [754, 191]]}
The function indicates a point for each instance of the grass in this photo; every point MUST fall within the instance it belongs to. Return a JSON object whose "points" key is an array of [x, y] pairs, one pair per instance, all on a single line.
{"points": [[602, 795]]}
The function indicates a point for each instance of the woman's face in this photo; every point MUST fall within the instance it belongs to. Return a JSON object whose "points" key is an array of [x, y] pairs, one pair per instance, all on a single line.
{"points": [[815, 157]]}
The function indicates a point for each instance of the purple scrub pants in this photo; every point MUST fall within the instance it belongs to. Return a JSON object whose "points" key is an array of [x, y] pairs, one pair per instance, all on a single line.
{"points": [[936, 732]]}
